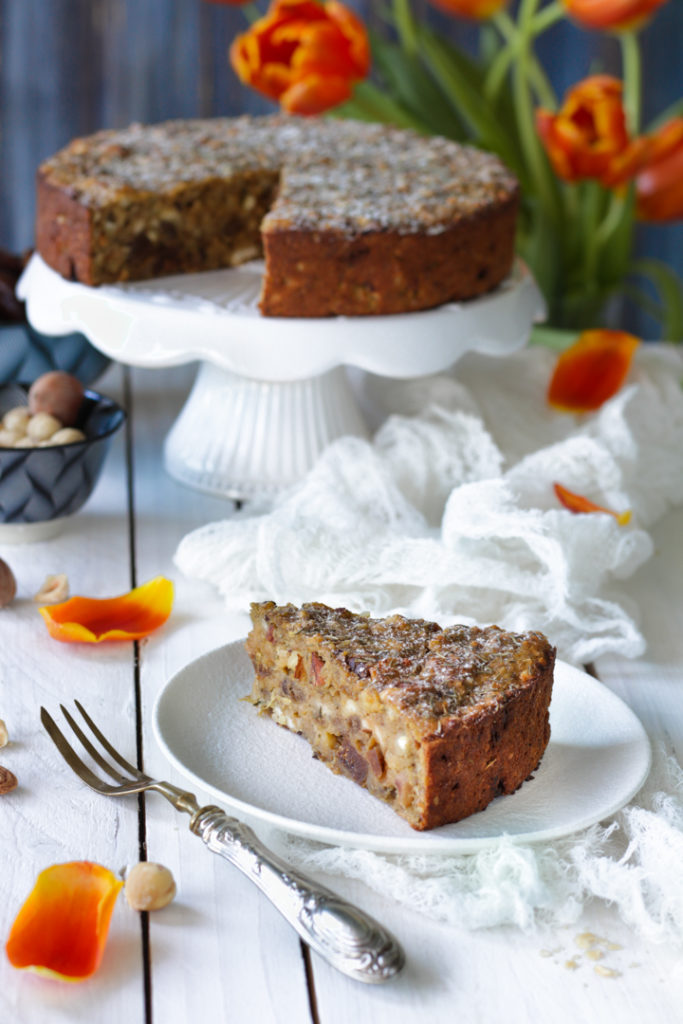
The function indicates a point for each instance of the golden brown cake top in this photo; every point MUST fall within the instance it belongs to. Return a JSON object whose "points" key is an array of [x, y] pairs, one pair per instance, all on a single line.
{"points": [[417, 665], [345, 176]]}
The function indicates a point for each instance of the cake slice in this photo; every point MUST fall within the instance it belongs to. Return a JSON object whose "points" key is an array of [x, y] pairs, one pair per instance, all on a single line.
{"points": [[436, 722]]}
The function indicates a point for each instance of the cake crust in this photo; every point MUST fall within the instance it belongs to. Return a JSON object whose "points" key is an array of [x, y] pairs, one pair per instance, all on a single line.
{"points": [[355, 218], [436, 722]]}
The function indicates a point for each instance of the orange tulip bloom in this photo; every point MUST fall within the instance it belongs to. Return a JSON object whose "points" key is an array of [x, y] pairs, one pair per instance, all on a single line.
{"points": [[614, 15], [587, 138], [128, 617], [62, 928], [577, 503], [307, 55], [591, 370], [476, 9], [659, 186]]}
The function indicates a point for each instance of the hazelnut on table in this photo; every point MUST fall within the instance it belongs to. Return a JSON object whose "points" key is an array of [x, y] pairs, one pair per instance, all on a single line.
{"points": [[149, 886]]}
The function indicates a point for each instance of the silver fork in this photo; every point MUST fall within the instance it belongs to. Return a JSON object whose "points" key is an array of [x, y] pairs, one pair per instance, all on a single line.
{"points": [[346, 937]]}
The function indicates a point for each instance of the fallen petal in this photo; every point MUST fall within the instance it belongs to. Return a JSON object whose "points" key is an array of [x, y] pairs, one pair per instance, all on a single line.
{"points": [[61, 930], [577, 503], [591, 370], [130, 616]]}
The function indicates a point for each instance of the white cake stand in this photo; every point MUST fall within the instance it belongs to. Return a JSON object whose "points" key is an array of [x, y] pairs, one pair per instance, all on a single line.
{"points": [[271, 392]]}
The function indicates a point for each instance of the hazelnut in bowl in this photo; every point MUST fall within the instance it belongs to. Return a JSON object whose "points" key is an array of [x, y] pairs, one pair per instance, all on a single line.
{"points": [[54, 438]]}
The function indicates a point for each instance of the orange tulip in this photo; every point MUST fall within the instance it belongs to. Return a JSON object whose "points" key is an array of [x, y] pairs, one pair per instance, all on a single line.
{"points": [[591, 370], [62, 928], [659, 186], [577, 503], [614, 15], [587, 138], [305, 54], [128, 617], [476, 9]]}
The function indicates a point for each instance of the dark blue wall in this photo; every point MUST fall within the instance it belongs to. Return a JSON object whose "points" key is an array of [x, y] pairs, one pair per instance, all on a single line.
{"points": [[69, 67]]}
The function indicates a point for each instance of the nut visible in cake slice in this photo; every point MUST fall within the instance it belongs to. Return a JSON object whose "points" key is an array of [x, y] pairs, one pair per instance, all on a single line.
{"points": [[436, 722]]}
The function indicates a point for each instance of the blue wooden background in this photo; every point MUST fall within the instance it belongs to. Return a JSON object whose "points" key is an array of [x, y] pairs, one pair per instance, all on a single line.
{"points": [[70, 67]]}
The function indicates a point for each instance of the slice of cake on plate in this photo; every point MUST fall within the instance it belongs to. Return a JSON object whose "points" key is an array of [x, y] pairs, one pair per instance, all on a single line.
{"points": [[436, 722]]}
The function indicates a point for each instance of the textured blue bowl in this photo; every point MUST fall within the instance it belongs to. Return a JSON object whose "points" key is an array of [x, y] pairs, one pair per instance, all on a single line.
{"points": [[44, 485], [25, 355]]}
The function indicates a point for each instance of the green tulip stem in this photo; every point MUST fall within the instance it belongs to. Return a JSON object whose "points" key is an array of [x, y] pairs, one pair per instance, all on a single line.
{"points": [[549, 16], [405, 25], [632, 70], [524, 108], [251, 12], [593, 198], [515, 42], [611, 221]]}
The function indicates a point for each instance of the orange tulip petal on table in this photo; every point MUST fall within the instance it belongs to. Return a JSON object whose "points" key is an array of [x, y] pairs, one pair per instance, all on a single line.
{"points": [[577, 503], [130, 616], [61, 930], [591, 370]]}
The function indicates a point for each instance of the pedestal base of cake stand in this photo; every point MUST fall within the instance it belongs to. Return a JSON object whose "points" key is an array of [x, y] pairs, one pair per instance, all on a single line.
{"points": [[271, 392], [250, 439]]}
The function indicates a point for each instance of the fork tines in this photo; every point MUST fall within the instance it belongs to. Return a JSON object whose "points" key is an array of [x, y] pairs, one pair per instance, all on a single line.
{"points": [[132, 782]]}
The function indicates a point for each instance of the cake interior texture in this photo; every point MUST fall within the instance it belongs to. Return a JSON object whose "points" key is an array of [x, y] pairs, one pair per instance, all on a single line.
{"points": [[353, 218], [435, 722]]}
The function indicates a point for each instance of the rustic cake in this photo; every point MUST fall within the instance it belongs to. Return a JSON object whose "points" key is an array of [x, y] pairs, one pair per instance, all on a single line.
{"points": [[436, 722], [354, 218]]}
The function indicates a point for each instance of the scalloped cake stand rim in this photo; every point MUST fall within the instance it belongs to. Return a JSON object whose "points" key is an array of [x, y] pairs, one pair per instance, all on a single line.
{"points": [[214, 316]]}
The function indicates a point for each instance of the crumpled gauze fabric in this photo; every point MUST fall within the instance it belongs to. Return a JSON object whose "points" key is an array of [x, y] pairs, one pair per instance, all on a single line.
{"points": [[449, 512], [632, 863]]}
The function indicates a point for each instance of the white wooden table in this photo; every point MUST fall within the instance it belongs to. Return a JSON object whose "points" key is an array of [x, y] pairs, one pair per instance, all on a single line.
{"points": [[220, 952]]}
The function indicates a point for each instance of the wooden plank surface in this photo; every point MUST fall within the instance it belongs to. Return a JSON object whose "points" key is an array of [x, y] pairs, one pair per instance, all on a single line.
{"points": [[220, 952], [241, 961], [51, 817]]}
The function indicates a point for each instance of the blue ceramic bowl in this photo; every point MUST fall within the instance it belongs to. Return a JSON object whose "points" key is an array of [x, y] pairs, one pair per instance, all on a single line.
{"points": [[40, 487], [25, 354]]}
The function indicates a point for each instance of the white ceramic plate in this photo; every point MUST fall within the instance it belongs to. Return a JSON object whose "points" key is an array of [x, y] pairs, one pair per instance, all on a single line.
{"points": [[597, 759]]}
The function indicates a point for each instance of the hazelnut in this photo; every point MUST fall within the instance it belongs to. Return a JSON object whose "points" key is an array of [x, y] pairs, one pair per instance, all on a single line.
{"points": [[8, 584], [54, 590], [4, 735], [9, 438], [67, 435], [42, 425], [149, 886], [57, 393], [8, 780], [16, 419]]}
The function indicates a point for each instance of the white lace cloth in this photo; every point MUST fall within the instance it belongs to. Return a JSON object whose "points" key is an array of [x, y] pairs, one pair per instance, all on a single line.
{"points": [[449, 513]]}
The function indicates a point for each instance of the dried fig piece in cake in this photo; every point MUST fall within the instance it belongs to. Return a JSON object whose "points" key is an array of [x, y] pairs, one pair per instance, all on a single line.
{"points": [[436, 722]]}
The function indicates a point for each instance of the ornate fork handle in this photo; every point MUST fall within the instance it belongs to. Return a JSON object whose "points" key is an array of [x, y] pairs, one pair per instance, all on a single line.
{"points": [[345, 936]]}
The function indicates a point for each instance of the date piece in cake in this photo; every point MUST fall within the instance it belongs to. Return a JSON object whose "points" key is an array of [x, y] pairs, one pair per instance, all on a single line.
{"points": [[436, 722], [353, 218]]}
